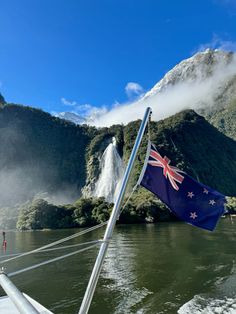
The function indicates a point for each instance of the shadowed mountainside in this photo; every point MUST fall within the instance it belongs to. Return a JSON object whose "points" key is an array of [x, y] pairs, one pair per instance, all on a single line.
{"points": [[193, 145], [40, 153], [225, 120]]}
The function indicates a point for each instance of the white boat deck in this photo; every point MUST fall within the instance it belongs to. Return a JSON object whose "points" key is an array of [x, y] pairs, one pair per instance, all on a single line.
{"points": [[8, 307]]}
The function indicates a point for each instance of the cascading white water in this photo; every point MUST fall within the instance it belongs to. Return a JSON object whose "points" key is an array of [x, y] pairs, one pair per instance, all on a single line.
{"points": [[112, 170]]}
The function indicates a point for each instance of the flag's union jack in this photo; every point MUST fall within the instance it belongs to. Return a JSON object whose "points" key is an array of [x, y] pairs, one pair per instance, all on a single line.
{"points": [[170, 172]]}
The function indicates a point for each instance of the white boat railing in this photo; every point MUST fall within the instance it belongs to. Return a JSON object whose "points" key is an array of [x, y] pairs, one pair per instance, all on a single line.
{"points": [[19, 300]]}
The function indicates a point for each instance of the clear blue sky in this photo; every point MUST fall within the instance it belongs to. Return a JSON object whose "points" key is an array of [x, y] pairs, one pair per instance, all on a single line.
{"points": [[87, 51]]}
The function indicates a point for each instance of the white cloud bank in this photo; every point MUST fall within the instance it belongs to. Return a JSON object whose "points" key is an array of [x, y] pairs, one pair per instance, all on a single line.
{"points": [[84, 110], [184, 95], [194, 91]]}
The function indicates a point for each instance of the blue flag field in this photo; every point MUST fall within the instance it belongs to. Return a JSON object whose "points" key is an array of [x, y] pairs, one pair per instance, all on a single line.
{"points": [[189, 200]]}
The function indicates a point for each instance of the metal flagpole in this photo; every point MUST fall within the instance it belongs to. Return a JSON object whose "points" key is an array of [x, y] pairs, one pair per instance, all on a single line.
{"points": [[112, 221], [20, 301]]}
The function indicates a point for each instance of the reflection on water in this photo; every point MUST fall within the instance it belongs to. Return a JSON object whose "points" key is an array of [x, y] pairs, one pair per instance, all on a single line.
{"points": [[119, 269], [163, 268]]}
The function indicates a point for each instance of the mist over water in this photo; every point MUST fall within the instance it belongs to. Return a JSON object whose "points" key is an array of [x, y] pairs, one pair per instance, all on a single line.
{"points": [[27, 171], [112, 170]]}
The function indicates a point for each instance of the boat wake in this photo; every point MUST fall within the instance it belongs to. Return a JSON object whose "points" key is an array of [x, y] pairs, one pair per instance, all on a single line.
{"points": [[119, 272], [220, 301], [202, 305]]}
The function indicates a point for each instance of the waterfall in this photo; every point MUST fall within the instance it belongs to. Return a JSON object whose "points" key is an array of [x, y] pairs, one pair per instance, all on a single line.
{"points": [[112, 170]]}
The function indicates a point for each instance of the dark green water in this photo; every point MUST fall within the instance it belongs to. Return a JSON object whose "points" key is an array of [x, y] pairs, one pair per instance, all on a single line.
{"points": [[148, 269]]}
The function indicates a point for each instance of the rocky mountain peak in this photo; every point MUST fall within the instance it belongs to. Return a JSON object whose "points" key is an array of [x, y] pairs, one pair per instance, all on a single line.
{"points": [[199, 67], [206, 81], [70, 116]]}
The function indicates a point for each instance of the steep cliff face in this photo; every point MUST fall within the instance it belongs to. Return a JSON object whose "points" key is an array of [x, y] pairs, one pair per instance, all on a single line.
{"points": [[199, 67], [95, 152]]}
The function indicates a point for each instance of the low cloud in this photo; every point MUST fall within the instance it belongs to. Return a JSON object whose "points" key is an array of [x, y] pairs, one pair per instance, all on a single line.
{"points": [[200, 92], [86, 111], [218, 43], [133, 89], [92, 113], [68, 102]]}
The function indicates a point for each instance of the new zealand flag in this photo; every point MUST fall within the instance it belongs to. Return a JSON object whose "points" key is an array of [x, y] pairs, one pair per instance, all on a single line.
{"points": [[188, 199]]}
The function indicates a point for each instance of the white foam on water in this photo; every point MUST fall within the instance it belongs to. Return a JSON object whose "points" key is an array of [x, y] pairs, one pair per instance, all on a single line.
{"points": [[201, 305], [119, 271]]}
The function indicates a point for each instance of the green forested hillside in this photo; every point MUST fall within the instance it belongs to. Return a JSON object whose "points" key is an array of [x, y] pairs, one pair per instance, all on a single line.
{"points": [[225, 120], [40, 153], [194, 145]]}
